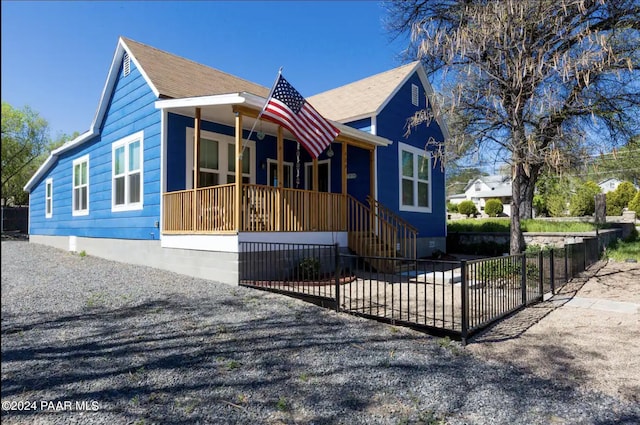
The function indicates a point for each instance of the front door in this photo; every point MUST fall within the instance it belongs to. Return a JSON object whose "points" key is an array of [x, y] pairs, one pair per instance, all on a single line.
{"points": [[272, 173], [324, 175]]}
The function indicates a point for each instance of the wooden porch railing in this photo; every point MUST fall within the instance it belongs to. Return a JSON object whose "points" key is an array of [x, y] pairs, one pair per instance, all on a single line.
{"points": [[214, 209], [264, 209], [271, 209]]}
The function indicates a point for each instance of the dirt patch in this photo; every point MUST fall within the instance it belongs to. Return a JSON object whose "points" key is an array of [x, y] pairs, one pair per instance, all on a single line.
{"points": [[594, 349]]}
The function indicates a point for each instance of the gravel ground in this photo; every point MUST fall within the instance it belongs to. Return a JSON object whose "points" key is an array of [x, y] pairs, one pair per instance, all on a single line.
{"points": [[591, 347], [148, 346]]}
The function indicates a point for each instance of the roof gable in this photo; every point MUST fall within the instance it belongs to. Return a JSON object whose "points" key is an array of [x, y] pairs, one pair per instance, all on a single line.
{"points": [[494, 182], [362, 98], [172, 76]]}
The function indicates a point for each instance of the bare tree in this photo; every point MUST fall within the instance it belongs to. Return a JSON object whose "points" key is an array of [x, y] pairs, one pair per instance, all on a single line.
{"points": [[538, 81]]}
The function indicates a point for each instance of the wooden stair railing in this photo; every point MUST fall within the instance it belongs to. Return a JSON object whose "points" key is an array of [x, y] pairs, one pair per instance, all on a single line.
{"points": [[375, 231], [406, 233]]}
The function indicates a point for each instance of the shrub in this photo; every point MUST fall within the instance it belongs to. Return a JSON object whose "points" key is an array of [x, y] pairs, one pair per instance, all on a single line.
{"points": [[557, 205], [634, 204], [540, 205], [467, 208], [583, 201], [620, 198], [493, 207], [309, 268], [452, 208]]}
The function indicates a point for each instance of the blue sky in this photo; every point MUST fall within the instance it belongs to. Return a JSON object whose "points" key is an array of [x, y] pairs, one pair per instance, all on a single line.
{"points": [[56, 55]]}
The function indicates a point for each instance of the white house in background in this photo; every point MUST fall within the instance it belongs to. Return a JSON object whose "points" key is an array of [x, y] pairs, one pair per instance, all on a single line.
{"points": [[609, 185], [483, 188]]}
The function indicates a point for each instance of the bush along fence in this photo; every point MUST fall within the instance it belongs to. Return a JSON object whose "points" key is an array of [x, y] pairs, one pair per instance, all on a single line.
{"points": [[452, 298]]}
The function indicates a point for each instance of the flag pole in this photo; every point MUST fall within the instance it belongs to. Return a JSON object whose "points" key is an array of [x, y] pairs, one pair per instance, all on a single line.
{"points": [[263, 108]]}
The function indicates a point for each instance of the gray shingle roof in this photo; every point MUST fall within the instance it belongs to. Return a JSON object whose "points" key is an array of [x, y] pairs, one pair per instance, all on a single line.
{"points": [[362, 97], [176, 77]]}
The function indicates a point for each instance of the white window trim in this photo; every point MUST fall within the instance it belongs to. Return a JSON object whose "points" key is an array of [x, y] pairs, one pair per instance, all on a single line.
{"points": [[415, 151], [76, 161], [308, 184], [284, 166], [127, 206], [48, 184], [223, 163]]}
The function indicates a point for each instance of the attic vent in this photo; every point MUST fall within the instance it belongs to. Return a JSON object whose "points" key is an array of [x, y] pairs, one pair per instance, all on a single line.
{"points": [[126, 64], [414, 95]]}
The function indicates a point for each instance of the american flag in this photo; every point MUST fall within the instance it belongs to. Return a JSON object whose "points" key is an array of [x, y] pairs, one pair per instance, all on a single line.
{"points": [[288, 108]]}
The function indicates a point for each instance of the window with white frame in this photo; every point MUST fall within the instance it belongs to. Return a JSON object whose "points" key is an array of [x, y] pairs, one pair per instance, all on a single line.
{"points": [[415, 178], [80, 195], [217, 159], [127, 174], [48, 198]]}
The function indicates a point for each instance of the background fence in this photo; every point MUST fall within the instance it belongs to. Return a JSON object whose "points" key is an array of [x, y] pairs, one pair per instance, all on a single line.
{"points": [[15, 219], [455, 298]]}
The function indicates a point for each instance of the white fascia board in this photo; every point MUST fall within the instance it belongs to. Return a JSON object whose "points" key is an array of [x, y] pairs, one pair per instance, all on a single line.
{"points": [[194, 102], [102, 109], [430, 93], [53, 156], [440, 119], [395, 91], [357, 117], [118, 58]]}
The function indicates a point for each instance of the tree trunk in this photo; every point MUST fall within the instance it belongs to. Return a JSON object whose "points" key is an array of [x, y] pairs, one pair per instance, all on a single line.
{"points": [[527, 189], [516, 244]]}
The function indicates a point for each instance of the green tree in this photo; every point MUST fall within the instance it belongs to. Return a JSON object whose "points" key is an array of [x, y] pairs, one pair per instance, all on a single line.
{"points": [[552, 197], [619, 199], [25, 137], [467, 208], [526, 75], [493, 207], [583, 201], [634, 205]]}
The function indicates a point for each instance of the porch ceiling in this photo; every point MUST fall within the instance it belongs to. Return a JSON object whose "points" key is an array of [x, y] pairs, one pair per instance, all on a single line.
{"points": [[221, 109]]}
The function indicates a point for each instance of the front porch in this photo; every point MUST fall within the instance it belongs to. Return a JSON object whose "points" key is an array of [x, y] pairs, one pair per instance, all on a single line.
{"points": [[220, 191]]}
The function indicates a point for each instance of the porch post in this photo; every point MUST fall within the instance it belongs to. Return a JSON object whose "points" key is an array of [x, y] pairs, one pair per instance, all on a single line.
{"points": [[315, 196], [197, 123], [344, 212], [238, 206], [280, 172], [372, 173]]}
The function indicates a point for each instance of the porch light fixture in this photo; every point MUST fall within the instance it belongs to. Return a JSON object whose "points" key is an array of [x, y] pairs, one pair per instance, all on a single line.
{"points": [[330, 152], [260, 132]]}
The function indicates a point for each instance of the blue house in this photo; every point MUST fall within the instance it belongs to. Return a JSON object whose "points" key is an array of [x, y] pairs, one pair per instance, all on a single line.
{"points": [[130, 190]]}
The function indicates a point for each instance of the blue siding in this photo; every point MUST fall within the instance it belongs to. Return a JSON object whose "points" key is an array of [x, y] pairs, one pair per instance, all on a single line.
{"points": [[358, 163], [266, 148], [362, 124], [391, 124], [130, 109]]}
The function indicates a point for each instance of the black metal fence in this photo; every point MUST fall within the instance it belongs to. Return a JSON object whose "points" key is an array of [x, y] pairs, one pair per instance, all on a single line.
{"points": [[455, 298], [15, 219]]}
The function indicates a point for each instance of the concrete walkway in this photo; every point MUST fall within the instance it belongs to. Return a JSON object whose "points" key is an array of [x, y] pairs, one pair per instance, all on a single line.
{"points": [[596, 304]]}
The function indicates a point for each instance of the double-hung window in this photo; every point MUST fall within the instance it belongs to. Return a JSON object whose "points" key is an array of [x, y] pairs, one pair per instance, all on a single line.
{"points": [[415, 178], [48, 198], [127, 176], [217, 163], [80, 195]]}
